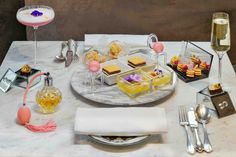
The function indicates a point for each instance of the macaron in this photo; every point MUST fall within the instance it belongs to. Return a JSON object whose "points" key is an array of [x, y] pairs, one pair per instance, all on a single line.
{"points": [[158, 47], [94, 66]]}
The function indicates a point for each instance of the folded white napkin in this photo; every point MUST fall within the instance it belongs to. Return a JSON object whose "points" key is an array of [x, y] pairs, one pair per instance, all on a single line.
{"points": [[132, 40], [132, 121]]}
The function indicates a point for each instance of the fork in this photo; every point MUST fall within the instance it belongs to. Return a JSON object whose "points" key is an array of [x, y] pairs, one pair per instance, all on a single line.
{"points": [[183, 121], [76, 57]]}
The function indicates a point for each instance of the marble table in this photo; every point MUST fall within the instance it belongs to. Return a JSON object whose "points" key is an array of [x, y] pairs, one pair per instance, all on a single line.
{"points": [[16, 140]]}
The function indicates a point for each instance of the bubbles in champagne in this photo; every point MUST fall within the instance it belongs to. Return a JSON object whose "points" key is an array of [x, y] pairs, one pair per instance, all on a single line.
{"points": [[220, 37]]}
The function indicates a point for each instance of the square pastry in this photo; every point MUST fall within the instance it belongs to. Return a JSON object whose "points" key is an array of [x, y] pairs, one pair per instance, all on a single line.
{"points": [[111, 69]]}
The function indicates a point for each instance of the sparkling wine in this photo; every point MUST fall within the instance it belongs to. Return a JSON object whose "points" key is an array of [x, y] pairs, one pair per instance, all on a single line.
{"points": [[220, 37]]}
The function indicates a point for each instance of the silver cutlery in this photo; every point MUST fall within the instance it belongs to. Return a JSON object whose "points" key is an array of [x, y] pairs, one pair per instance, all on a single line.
{"points": [[60, 57], [76, 57], [183, 120], [203, 116], [69, 53], [194, 125]]}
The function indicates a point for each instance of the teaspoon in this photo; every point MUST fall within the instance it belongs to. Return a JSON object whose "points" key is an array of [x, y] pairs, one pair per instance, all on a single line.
{"points": [[203, 116]]}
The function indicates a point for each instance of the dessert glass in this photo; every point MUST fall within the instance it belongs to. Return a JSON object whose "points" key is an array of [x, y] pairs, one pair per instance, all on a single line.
{"points": [[134, 89], [159, 81]]}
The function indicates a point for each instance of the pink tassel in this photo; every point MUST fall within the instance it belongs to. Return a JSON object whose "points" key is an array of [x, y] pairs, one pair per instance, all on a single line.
{"points": [[48, 127]]}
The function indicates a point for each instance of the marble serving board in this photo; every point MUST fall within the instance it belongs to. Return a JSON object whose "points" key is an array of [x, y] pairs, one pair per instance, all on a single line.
{"points": [[111, 95]]}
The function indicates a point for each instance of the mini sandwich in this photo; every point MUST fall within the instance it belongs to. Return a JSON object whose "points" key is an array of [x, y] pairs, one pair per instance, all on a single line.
{"points": [[136, 61], [190, 73], [182, 67], [197, 71], [111, 69], [195, 60]]}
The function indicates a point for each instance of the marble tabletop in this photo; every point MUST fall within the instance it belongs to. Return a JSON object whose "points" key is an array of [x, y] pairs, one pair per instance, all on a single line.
{"points": [[16, 140]]}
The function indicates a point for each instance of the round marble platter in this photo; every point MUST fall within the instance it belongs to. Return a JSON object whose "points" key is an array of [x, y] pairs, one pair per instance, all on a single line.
{"points": [[111, 95]]}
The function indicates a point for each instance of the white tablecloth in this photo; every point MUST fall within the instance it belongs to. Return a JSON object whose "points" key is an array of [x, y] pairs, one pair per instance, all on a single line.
{"points": [[15, 140]]}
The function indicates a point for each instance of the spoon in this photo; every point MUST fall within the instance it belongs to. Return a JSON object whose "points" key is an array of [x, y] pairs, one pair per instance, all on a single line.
{"points": [[60, 57], [203, 116]]}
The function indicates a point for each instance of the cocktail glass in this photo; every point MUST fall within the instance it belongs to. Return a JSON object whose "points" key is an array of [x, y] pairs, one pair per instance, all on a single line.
{"points": [[35, 16]]}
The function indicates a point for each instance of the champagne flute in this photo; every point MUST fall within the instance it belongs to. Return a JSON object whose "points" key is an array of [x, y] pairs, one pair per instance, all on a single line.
{"points": [[220, 37]]}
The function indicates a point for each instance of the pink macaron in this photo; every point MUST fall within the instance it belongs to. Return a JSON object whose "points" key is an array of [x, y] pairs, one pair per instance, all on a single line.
{"points": [[158, 47], [94, 66]]}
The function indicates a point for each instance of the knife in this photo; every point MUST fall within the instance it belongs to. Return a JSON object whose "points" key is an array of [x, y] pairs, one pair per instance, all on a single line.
{"points": [[69, 53], [194, 125]]}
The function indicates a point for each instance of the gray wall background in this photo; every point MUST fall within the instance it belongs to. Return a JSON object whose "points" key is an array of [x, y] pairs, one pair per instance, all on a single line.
{"points": [[10, 29]]}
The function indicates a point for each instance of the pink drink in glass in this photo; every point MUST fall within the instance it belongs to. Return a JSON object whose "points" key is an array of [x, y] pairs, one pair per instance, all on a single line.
{"points": [[27, 19], [35, 16]]}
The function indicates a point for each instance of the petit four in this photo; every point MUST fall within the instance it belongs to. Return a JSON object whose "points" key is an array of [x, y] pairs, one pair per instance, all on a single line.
{"points": [[115, 49], [94, 55], [111, 69], [215, 88], [174, 61], [195, 60], [197, 71], [204, 66], [159, 78], [153, 74], [190, 73], [26, 69], [182, 67], [136, 61]]}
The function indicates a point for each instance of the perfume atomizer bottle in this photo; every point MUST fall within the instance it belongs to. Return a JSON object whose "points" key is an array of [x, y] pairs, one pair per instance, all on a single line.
{"points": [[49, 97]]}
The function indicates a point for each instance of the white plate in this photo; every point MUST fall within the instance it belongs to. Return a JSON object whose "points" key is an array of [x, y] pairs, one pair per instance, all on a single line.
{"points": [[119, 141]]}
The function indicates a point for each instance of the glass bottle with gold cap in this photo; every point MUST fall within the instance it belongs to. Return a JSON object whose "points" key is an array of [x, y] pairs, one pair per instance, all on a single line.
{"points": [[49, 97]]}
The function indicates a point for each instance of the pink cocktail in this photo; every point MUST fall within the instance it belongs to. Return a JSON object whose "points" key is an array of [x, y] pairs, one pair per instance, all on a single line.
{"points": [[35, 16]]}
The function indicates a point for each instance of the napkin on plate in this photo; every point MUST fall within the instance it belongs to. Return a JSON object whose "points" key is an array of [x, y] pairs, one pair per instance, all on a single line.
{"points": [[134, 121], [132, 40]]}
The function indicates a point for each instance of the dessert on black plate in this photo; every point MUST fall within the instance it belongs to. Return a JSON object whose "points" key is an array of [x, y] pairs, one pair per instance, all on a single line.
{"points": [[215, 88], [192, 64]]}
